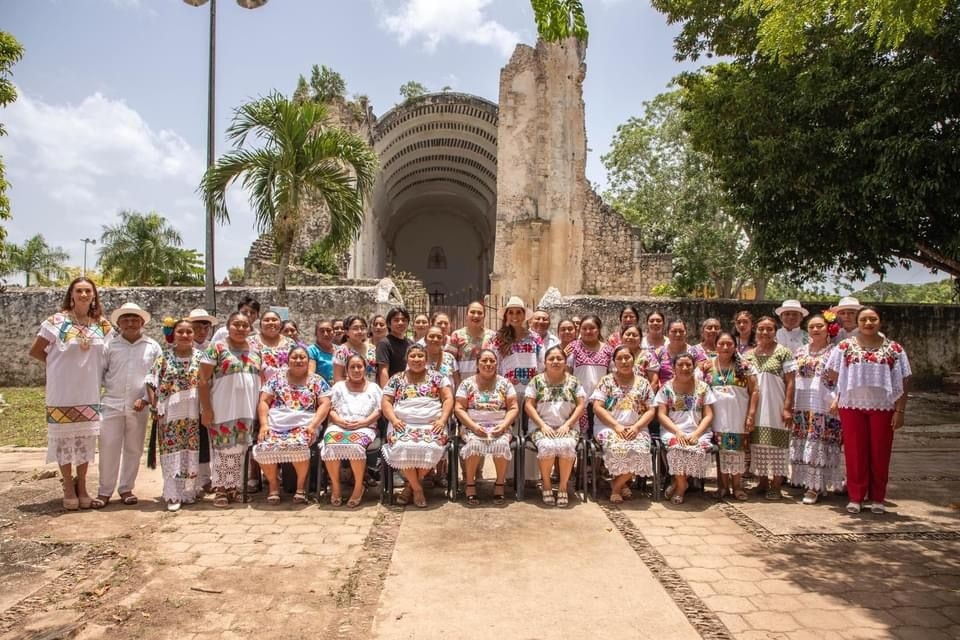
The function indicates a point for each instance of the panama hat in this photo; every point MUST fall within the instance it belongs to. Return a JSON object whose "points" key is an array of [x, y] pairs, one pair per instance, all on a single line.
{"points": [[516, 302], [129, 309], [791, 305], [847, 303], [201, 315]]}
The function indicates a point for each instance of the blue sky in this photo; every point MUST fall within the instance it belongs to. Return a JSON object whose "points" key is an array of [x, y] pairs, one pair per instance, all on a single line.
{"points": [[112, 106]]}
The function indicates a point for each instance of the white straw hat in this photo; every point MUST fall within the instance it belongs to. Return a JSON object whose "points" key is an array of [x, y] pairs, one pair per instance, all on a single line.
{"points": [[201, 315], [129, 309], [516, 302], [847, 303], [791, 305]]}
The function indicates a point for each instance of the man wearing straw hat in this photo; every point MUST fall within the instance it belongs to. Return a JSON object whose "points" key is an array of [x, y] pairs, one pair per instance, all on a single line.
{"points": [[128, 357], [791, 314]]}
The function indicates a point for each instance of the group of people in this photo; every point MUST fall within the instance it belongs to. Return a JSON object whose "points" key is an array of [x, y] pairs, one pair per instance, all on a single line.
{"points": [[816, 407]]}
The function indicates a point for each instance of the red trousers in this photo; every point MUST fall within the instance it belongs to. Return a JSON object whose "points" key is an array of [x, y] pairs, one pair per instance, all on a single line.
{"points": [[867, 442]]}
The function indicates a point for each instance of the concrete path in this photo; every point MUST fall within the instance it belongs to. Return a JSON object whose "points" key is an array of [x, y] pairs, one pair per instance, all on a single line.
{"points": [[717, 570], [520, 571]]}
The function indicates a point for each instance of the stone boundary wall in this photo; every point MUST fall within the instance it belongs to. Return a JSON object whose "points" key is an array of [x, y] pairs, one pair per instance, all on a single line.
{"points": [[928, 332], [22, 311]]}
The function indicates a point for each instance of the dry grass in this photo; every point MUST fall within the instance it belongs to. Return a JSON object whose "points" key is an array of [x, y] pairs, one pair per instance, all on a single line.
{"points": [[23, 419]]}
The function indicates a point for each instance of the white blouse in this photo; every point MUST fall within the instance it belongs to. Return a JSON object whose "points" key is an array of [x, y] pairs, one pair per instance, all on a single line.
{"points": [[869, 378]]}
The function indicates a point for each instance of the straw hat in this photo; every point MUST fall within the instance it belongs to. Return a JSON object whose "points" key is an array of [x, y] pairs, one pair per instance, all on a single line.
{"points": [[791, 305], [516, 302], [201, 315], [129, 309], [847, 303]]}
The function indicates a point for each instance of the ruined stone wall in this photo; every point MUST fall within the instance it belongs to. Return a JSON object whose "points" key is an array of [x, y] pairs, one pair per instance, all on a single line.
{"points": [[22, 311], [552, 228], [927, 332], [614, 262]]}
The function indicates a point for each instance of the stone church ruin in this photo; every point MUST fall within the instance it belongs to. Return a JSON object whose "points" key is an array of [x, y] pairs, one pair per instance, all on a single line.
{"points": [[476, 197]]}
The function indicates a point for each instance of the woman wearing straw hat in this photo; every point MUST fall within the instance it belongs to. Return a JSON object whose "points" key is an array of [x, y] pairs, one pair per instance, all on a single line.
{"points": [[790, 335], [71, 344], [521, 350], [128, 359]]}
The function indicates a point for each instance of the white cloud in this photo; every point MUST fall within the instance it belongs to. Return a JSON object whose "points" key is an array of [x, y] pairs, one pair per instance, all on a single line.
{"points": [[436, 21], [72, 167]]}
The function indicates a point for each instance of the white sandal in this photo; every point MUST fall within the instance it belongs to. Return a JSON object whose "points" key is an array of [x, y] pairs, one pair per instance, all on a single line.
{"points": [[562, 499], [548, 498]]}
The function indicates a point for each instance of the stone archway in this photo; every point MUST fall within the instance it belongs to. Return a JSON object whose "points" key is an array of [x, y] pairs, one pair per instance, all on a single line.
{"points": [[436, 195]]}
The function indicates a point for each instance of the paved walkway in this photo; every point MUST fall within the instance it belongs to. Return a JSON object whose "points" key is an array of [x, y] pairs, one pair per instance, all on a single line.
{"points": [[779, 571]]}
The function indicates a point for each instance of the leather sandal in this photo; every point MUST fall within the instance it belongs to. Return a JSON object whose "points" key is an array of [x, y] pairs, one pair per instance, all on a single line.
{"points": [[406, 495], [472, 500], [419, 499], [548, 498], [99, 502], [300, 497], [499, 498], [355, 501], [273, 497]]}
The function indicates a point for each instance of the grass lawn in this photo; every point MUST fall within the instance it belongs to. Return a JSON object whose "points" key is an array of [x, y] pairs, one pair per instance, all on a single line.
{"points": [[24, 422]]}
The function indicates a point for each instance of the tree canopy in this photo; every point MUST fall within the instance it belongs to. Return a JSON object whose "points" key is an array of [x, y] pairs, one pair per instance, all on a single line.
{"points": [[559, 19], [38, 260], [412, 89], [144, 250], [10, 53], [300, 157], [665, 187], [843, 157], [325, 85]]}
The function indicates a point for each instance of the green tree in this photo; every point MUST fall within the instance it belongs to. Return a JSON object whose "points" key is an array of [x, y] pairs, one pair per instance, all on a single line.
{"points": [[10, 53], [559, 19], [235, 274], [144, 250], [784, 24], [842, 158], [665, 187], [35, 258], [412, 89], [300, 155], [325, 85]]}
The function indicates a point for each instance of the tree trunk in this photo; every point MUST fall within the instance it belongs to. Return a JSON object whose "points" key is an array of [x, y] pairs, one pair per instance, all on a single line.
{"points": [[760, 287], [282, 275]]}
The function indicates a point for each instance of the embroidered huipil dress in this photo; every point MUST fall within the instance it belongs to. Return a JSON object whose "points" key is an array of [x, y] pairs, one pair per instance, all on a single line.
{"points": [[815, 441], [486, 407], [625, 405], [234, 395], [770, 440], [729, 387], [292, 408], [351, 444], [686, 411], [75, 361], [176, 381], [589, 367], [555, 403], [343, 352], [415, 446]]}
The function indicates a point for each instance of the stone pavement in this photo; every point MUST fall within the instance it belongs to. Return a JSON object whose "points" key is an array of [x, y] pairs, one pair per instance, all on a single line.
{"points": [[777, 571]]}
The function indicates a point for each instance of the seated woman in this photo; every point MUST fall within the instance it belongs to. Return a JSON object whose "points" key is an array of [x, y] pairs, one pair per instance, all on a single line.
{"points": [[554, 402], [293, 403], [486, 405], [417, 405], [623, 406], [354, 410], [685, 417]]}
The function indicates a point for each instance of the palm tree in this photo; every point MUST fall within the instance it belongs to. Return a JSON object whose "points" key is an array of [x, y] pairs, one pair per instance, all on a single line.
{"points": [[143, 249], [37, 258], [300, 157]]}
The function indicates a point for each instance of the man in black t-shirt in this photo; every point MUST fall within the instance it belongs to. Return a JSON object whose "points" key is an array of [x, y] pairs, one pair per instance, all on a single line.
{"points": [[392, 350]]}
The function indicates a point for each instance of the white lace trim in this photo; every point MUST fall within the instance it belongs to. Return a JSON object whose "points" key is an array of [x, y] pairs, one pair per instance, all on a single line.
{"points": [[226, 466], [408, 455], [180, 471], [549, 448], [75, 450], [477, 446], [279, 456], [767, 461], [687, 461], [343, 451], [733, 462]]}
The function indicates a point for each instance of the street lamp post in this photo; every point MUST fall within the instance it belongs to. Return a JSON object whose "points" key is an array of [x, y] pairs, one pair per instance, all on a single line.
{"points": [[85, 242], [210, 279]]}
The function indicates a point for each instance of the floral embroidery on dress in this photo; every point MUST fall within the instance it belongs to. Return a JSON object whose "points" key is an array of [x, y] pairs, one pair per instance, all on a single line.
{"points": [[228, 361], [887, 353], [305, 397], [399, 387], [692, 402], [565, 391], [637, 397], [734, 376], [485, 400]]}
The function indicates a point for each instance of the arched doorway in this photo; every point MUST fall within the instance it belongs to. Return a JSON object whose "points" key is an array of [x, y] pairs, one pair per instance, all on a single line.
{"points": [[434, 204]]}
